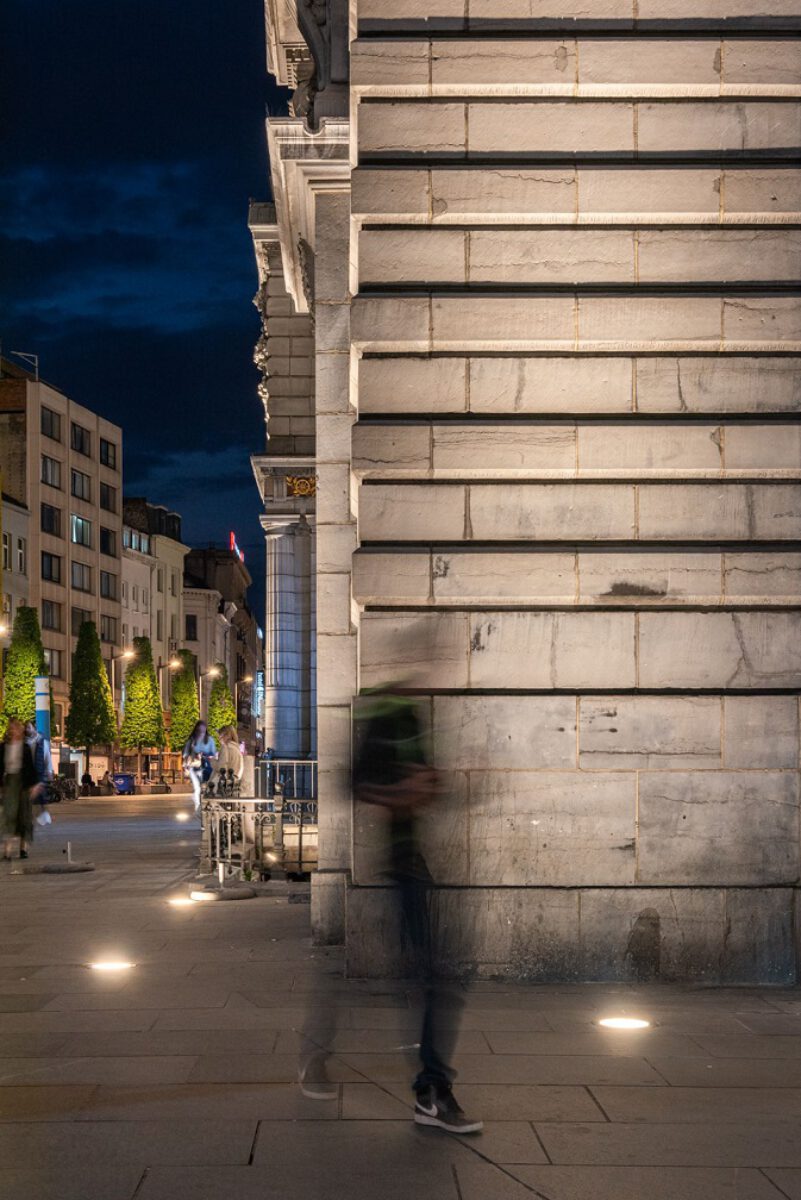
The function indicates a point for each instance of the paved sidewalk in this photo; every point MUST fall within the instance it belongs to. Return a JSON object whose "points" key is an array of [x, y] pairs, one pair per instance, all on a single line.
{"points": [[175, 1081]]}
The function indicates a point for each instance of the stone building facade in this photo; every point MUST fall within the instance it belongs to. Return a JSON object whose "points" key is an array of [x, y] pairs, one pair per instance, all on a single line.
{"points": [[557, 337]]}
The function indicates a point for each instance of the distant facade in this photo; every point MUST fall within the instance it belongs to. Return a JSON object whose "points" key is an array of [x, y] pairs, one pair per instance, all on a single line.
{"points": [[15, 584], [550, 263], [64, 463]]}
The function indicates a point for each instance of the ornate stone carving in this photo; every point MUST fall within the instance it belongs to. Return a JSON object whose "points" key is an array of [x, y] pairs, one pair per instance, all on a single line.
{"points": [[306, 257], [260, 351], [323, 92], [301, 485]]}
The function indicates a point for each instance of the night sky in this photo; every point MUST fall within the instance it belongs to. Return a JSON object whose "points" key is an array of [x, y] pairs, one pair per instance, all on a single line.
{"points": [[133, 138]]}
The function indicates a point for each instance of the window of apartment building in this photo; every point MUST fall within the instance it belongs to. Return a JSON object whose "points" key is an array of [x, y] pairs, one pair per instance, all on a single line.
{"points": [[145, 599], [108, 585], [108, 542], [108, 628], [6, 551], [51, 567], [108, 497], [173, 626], [79, 615], [124, 592], [81, 577], [160, 625], [51, 520], [191, 627], [81, 531], [81, 440], [51, 615], [135, 597], [51, 471], [160, 579], [173, 584], [51, 424], [125, 635], [108, 453], [22, 556], [81, 485], [53, 660]]}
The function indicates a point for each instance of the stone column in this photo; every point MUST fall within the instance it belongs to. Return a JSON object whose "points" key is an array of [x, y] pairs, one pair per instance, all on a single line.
{"points": [[287, 638]]}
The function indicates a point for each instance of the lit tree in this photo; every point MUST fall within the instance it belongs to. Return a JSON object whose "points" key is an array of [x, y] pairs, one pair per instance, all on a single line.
{"points": [[222, 711], [91, 720], [25, 661], [143, 723], [185, 707]]}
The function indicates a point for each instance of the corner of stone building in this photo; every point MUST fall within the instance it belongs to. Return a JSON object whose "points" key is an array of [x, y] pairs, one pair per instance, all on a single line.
{"points": [[328, 908]]}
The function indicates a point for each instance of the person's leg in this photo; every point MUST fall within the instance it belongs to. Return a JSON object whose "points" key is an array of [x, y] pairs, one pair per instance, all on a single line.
{"points": [[194, 776]]}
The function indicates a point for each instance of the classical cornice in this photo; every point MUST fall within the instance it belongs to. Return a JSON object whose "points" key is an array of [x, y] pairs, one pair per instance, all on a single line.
{"points": [[285, 45], [302, 165]]}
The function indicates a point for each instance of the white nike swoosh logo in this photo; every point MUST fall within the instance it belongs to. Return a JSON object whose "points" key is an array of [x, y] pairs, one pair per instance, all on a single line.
{"points": [[429, 1112]]}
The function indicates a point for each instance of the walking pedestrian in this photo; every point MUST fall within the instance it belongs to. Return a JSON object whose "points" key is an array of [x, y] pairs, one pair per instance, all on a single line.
{"points": [[392, 771], [198, 755], [19, 787], [229, 759], [39, 747]]}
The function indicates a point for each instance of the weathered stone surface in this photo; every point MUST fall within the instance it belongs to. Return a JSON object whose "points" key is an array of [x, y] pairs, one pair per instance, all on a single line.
{"points": [[402, 385], [579, 384], [763, 447], [648, 189], [649, 449], [423, 649], [336, 668], [759, 941], [768, 575], [551, 256], [554, 125], [333, 603], [504, 733], [677, 256], [733, 511], [767, 61], [551, 511], [720, 827], [552, 650], [412, 256], [334, 435], [389, 321], [717, 385], [646, 577], [497, 12], [410, 127], [543, 828], [528, 578], [720, 650], [333, 493], [762, 189], [650, 731], [487, 321], [760, 731], [507, 191], [477, 63], [390, 193], [373, 62], [657, 60], [392, 576], [718, 125], [395, 448], [506, 447], [450, 13], [775, 321], [657, 320], [444, 832], [392, 512]]}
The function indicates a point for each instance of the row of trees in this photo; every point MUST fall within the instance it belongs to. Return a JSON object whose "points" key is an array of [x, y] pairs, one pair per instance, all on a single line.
{"points": [[92, 720]]}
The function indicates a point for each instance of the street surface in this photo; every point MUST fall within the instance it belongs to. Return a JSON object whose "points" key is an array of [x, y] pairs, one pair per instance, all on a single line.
{"points": [[175, 1080]]}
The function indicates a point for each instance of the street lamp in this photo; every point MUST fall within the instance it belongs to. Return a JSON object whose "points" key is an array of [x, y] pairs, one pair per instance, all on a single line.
{"points": [[172, 665], [115, 658], [213, 672]]}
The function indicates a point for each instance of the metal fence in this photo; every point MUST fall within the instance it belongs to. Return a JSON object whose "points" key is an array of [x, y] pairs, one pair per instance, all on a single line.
{"points": [[295, 778]]}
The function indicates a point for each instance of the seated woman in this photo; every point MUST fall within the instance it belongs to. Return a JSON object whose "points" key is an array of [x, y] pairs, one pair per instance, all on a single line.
{"points": [[229, 759]]}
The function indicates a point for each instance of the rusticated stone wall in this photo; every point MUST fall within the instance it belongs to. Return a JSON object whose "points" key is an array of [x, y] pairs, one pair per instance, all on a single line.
{"points": [[576, 341]]}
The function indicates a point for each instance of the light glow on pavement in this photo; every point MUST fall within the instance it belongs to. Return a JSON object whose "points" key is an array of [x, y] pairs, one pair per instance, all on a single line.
{"points": [[624, 1023], [111, 965]]}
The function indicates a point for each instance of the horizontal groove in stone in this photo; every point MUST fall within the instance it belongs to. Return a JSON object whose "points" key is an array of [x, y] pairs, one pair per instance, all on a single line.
{"points": [[547, 547], [706, 288], [570, 352], [606, 691], [572, 481], [516, 606], [400, 160], [632, 417], [443, 29], [562, 227]]}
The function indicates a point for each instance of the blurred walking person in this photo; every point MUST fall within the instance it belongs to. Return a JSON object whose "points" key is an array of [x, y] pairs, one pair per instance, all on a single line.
{"points": [[229, 759], [19, 786], [199, 753], [39, 747]]}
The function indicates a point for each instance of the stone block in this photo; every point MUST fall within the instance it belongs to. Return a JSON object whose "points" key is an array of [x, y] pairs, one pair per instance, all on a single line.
{"points": [[333, 431], [773, 577], [504, 733], [722, 827], [720, 650], [334, 724], [506, 447], [545, 512], [444, 834], [716, 385], [647, 189], [410, 127], [332, 499], [418, 255], [551, 256], [552, 650], [335, 820], [656, 320], [539, 127], [333, 604], [717, 125], [388, 193], [759, 943], [649, 449], [450, 14], [733, 511], [391, 448], [763, 447], [655, 60], [549, 828], [336, 668], [494, 13], [328, 907], [558, 384], [652, 933], [762, 190], [498, 190], [478, 322], [387, 64], [760, 731], [421, 649], [392, 577], [488, 576], [502, 61], [332, 325], [775, 321], [731, 255], [332, 388], [409, 384], [334, 545], [394, 512], [390, 321], [643, 577], [649, 731], [331, 250], [765, 61]]}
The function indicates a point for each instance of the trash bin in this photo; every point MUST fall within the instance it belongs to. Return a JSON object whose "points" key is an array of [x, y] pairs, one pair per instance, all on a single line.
{"points": [[124, 783]]}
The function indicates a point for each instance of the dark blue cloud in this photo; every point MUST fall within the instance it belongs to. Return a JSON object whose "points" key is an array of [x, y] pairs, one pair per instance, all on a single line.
{"points": [[133, 138]]}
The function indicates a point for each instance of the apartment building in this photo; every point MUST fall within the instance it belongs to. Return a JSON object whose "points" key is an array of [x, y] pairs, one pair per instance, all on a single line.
{"points": [[15, 584], [65, 463]]}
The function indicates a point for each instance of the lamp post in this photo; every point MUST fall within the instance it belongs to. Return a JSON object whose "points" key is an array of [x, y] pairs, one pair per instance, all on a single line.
{"points": [[115, 658], [213, 672], [172, 665]]}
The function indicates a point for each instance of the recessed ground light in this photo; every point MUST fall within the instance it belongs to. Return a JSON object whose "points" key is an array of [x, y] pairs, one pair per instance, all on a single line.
{"points": [[182, 816], [624, 1023], [111, 965], [203, 895], [181, 901]]}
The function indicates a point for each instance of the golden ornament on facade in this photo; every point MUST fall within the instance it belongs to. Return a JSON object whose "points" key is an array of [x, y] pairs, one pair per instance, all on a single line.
{"points": [[301, 485]]}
